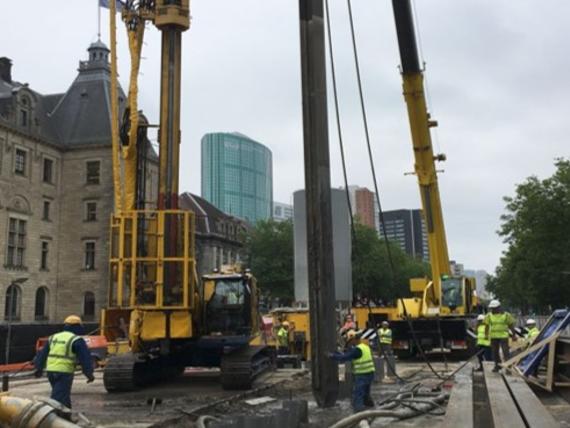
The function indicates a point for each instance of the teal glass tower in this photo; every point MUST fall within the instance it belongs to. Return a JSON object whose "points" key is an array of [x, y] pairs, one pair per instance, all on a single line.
{"points": [[237, 175]]}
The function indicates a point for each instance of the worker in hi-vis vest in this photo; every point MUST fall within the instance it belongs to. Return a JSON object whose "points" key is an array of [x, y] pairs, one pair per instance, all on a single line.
{"points": [[385, 339], [283, 338], [498, 324], [59, 357], [532, 331], [362, 369], [483, 342]]}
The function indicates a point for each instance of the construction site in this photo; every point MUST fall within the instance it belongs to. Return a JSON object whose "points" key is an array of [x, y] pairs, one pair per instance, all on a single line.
{"points": [[172, 344]]}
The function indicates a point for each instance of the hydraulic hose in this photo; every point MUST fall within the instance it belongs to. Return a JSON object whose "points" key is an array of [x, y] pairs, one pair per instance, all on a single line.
{"points": [[23, 413], [407, 412]]}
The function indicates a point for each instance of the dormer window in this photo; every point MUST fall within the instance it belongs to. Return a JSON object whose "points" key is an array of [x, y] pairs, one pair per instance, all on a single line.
{"points": [[25, 112]]}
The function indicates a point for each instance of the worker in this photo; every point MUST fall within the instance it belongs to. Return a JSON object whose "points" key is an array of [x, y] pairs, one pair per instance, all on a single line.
{"points": [[348, 325], [59, 357], [532, 331], [483, 342], [362, 369], [497, 327], [283, 338], [385, 339]]}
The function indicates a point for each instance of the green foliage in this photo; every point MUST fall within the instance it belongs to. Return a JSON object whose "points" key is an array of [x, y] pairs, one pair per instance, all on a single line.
{"points": [[269, 248], [534, 273], [371, 272]]}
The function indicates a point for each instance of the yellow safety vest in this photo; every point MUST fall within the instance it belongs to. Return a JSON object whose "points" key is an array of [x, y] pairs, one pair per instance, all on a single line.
{"points": [[482, 339], [499, 325], [532, 333], [283, 337], [364, 364], [61, 357], [385, 335]]}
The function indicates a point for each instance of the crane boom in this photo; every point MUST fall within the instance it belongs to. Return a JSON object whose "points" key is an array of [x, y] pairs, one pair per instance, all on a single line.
{"points": [[420, 124]]}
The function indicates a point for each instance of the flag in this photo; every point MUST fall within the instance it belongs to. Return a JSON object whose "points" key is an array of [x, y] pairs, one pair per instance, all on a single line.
{"points": [[105, 3]]}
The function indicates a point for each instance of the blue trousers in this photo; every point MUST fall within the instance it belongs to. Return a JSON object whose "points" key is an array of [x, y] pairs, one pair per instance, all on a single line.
{"points": [[361, 391], [61, 387]]}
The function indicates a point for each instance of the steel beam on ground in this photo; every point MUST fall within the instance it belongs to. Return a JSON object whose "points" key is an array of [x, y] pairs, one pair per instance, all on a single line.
{"points": [[318, 203]]}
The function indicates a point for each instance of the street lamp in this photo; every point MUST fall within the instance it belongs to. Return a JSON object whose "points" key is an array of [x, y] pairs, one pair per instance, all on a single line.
{"points": [[10, 306]]}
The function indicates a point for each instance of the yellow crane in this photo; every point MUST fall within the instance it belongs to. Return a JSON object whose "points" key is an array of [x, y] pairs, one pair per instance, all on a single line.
{"points": [[174, 320], [445, 298]]}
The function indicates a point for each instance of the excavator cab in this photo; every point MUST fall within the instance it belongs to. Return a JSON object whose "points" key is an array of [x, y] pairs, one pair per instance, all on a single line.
{"points": [[229, 307]]}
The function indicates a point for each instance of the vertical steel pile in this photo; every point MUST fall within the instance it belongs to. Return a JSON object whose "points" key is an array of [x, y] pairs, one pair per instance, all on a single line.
{"points": [[318, 203]]}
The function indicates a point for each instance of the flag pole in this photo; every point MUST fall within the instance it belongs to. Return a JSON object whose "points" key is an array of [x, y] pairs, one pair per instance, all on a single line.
{"points": [[98, 20]]}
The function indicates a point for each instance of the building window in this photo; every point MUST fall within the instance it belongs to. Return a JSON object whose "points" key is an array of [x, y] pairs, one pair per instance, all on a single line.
{"points": [[16, 243], [20, 162], [12, 303], [45, 213], [23, 117], [93, 169], [40, 311], [89, 256], [91, 211], [48, 171], [89, 306], [44, 259]]}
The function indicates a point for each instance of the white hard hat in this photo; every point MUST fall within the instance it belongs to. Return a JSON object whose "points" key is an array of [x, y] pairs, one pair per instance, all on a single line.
{"points": [[480, 317], [530, 321], [494, 304]]}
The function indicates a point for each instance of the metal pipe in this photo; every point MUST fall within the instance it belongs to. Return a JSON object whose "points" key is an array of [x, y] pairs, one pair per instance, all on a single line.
{"points": [[318, 201], [23, 413]]}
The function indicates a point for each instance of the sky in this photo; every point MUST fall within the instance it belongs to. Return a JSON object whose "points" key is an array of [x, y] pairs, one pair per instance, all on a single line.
{"points": [[497, 74]]}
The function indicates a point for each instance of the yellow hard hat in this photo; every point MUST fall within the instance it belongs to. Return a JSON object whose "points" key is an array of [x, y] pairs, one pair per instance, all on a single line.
{"points": [[351, 334], [285, 323], [72, 319]]}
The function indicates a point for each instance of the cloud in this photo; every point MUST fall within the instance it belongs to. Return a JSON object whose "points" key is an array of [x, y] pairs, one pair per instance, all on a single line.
{"points": [[496, 77]]}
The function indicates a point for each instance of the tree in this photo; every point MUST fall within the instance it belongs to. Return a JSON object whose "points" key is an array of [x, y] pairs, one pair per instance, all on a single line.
{"points": [[371, 271], [534, 272], [269, 248]]}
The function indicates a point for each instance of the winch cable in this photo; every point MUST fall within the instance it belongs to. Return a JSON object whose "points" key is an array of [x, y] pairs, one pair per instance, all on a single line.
{"points": [[344, 169], [373, 170], [338, 125]]}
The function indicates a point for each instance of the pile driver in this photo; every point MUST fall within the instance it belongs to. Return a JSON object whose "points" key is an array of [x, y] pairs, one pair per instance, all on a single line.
{"points": [[174, 320]]}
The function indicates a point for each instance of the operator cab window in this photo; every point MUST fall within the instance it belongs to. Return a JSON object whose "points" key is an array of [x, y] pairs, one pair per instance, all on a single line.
{"points": [[451, 292], [229, 308]]}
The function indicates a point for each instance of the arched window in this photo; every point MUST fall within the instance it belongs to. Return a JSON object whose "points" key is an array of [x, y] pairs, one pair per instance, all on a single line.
{"points": [[13, 303], [40, 311], [89, 306]]}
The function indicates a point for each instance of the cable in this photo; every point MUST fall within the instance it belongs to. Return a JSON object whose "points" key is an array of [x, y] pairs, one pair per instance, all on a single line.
{"points": [[338, 125], [373, 170], [422, 58], [367, 135]]}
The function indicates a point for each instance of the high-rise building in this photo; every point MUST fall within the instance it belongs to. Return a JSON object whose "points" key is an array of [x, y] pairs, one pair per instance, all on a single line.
{"points": [[407, 229], [282, 212], [363, 205], [456, 269], [237, 175], [481, 277]]}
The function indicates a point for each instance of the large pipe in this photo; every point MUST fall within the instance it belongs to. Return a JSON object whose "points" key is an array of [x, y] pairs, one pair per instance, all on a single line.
{"points": [[23, 413], [318, 203]]}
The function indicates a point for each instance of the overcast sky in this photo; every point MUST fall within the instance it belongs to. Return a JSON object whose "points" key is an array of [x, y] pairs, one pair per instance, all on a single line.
{"points": [[498, 74]]}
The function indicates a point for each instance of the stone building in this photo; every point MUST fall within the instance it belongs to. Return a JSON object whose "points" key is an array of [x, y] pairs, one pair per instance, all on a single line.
{"points": [[219, 236], [56, 194]]}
